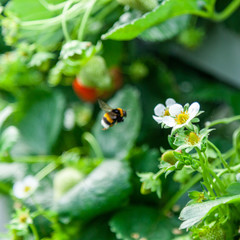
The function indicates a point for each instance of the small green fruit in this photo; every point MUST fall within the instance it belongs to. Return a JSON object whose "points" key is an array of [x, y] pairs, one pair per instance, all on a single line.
{"points": [[191, 38], [169, 157], [138, 71], [145, 190], [64, 180], [95, 74], [214, 233]]}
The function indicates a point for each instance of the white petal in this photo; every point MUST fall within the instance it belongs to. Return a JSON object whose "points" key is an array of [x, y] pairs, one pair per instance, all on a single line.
{"points": [[31, 182], [159, 110], [193, 110], [179, 125], [157, 119], [169, 121], [18, 190], [175, 109], [170, 102], [106, 126], [69, 119]]}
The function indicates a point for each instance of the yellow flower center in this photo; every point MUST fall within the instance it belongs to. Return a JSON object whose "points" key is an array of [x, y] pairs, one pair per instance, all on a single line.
{"points": [[23, 218], [166, 113], [193, 138], [201, 197], [182, 118], [27, 189]]}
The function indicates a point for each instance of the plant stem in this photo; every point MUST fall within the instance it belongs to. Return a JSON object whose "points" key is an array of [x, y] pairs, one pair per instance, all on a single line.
{"points": [[84, 21], [93, 143], [106, 11], [46, 23], [52, 7], [218, 180], [180, 193], [64, 21], [159, 173], [46, 170], [223, 121], [205, 174], [236, 135], [34, 231], [222, 171], [217, 188], [228, 11], [219, 155], [228, 154]]}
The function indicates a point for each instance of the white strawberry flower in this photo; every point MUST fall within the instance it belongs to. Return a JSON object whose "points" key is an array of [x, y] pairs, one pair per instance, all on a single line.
{"points": [[162, 111], [179, 117], [23, 189]]}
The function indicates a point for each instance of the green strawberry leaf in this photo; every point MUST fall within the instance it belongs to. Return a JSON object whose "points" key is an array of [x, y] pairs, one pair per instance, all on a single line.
{"points": [[97, 229], [104, 189], [166, 30], [42, 121], [194, 213], [233, 189], [116, 141], [140, 222], [166, 10]]}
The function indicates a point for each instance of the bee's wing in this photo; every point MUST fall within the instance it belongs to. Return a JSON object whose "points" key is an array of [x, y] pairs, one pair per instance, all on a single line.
{"points": [[113, 115], [104, 106]]}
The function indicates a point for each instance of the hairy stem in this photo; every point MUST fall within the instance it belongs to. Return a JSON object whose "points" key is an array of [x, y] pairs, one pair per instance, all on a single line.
{"points": [[93, 143], [223, 121], [219, 155], [182, 191], [227, 12], [64, 21], [34, 231], [205, 174], [84, 21], [46, 170]]}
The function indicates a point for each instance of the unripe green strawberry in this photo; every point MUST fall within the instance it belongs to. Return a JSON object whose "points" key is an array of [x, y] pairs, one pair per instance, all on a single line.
{"points": [[191, 38], [138, 71], [95, 74], [214, 233], [169, 157], [142, 5], [64, 180]]}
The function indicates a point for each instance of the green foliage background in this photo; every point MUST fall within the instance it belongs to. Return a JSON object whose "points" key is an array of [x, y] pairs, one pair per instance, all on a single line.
{"points": [[187, 50]]}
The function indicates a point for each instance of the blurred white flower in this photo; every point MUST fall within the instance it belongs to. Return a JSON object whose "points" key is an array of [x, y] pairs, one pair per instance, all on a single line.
{"points": [[69, 119], [178, 117], [161, 111], [24, 188]]}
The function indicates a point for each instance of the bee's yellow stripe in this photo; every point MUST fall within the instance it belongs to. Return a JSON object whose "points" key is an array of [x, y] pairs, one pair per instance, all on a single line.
{"points": [[121, 112], [109, 119]]}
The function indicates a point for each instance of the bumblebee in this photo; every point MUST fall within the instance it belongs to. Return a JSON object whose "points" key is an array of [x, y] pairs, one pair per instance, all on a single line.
{"points": [[112, 115]]}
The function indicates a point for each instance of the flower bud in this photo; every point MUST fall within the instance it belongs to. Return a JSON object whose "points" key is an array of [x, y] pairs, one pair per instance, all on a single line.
{"points": [[169, 157], [195, 165], [179, 165], [144, 190], [187, 162]]}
